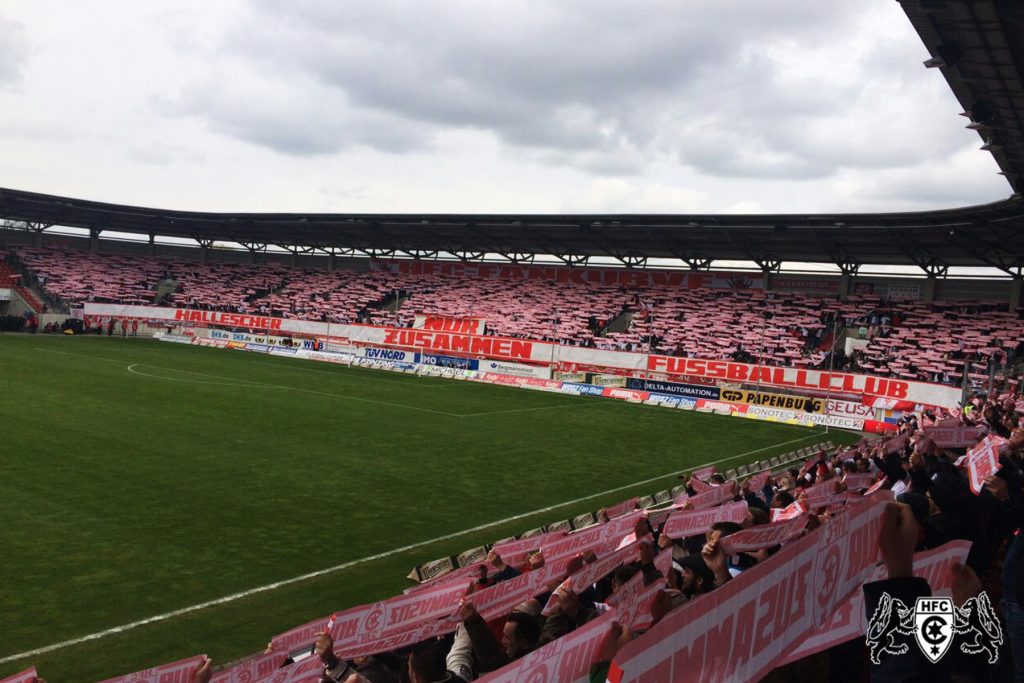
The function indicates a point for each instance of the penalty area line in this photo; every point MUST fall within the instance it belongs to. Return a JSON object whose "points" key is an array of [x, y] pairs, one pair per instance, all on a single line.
{"points": [[362, 560]]}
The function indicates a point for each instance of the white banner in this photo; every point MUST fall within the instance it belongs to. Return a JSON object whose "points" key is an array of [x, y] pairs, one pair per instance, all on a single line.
{"points": [[5, 294], [515, 369], [840, 421], [395, 355], [849, 409], [779, 415], [905, 291]]}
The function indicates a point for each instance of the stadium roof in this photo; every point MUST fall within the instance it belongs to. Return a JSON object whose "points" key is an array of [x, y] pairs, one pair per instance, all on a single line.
{"points": [[978, 46], [985, 235]]}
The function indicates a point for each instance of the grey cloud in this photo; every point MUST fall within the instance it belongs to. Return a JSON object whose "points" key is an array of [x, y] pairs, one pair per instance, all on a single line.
{"points": [[598, 85], [14, 51], [302, 122], [969, 178]]}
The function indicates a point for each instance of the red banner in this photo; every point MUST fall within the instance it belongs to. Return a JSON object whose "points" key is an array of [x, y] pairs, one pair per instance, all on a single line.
{"points": [[983, 461], [856, 481], [622, 508], [721, 406], [699, 485], [602, 536], [176, 672], [791, 511], [626, 394], [374, 643], [516, 552], [499, 599], [716, 496], [441, 323], [764, 536], [251, 669], [758, 482], [593, 572], [704, 472], [850, 621], [26, 676], [819, 495], [957, 435], [878, 427], [684, 523], [563, 660], [742, 630], [464, 344], [632, 601], [406, 611], [309, 670]]}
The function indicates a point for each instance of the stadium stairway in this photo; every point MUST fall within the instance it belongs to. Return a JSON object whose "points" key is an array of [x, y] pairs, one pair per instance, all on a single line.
{"points": [[619, 324], [392, 302], [164, 287], [9, 278]]}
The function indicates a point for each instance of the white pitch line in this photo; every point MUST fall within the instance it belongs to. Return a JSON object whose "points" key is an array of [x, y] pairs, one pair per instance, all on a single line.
{"points": [[245, 382], [592, 404], [131, 369], [285, 387], [231, 381], [352, 563]]}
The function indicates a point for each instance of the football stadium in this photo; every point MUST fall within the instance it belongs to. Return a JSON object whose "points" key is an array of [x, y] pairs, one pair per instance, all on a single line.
{"points": [[520, 446]]}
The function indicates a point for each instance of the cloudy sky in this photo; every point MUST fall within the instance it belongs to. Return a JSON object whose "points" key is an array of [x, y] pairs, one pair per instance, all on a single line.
{"points": [[484, 106]]}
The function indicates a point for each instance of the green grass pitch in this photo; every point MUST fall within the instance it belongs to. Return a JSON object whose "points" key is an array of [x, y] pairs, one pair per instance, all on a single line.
{"points": [[138, 478]]}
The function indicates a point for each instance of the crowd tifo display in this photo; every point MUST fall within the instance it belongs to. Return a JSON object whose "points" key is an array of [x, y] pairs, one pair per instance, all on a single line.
{"points": [[699, 315]]}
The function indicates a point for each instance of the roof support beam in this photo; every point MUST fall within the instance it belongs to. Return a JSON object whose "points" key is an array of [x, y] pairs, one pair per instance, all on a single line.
{"points": [[667, 241], [935, 269], [981, 249], [419, 254], [373, 252], [922, 258], [573, 260], [518, 257], [633, 260], [754, 251], [848, 268]]}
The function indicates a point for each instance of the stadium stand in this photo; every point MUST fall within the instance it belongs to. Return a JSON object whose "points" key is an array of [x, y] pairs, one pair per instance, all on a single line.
{"points": [[906, 339]]}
